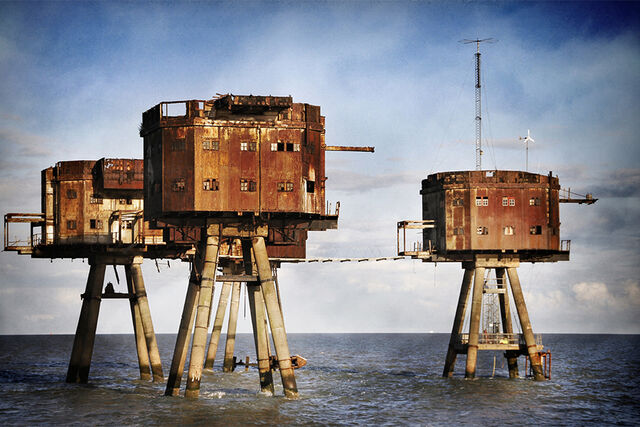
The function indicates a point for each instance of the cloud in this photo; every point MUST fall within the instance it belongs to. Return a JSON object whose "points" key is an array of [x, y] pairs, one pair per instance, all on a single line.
{"points": [[354, 182], [619, 183], [593, 294]]}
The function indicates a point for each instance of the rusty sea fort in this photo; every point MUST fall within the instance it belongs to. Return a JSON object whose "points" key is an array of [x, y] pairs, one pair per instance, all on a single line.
{"points": [[350, 379]]}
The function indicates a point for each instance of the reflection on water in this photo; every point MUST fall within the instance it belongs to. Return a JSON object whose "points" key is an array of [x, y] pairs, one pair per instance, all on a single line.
{"points": [[349, 379]]}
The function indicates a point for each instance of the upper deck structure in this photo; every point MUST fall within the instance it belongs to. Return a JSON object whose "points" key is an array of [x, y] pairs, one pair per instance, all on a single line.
{"points": [[235, 156]]}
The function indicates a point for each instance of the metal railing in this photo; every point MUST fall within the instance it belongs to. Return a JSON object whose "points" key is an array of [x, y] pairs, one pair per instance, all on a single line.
{"points": [[498, 338], [401, 236]]}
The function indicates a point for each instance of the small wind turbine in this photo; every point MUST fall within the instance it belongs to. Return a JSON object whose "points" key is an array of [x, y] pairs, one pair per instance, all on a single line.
{"points": [[526, 140]]}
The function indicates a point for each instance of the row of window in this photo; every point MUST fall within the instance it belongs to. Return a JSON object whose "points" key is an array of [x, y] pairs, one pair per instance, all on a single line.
{"points": [[507, 231], [212, 184], [94, 224], [214, 145], [506, 201]]}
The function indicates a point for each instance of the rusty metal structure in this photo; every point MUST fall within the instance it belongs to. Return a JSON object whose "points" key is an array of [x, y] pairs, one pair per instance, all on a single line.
{"points": [[94, 209], [246, 173], [490, 220]]}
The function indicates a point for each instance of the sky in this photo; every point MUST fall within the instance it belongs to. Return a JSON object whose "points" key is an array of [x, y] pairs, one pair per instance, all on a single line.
{"points": [[76, 77]]}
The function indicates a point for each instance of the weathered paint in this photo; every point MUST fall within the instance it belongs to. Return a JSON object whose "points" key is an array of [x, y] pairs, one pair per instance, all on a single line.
{"points": [[491, 211]]}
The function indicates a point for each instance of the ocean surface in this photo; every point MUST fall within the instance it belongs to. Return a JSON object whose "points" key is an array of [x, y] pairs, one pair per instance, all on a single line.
{"points": [[351, 379]]}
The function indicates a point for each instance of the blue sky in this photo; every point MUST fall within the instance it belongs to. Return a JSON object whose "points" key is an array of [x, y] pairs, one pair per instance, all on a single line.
{"points": [[78, 75]]}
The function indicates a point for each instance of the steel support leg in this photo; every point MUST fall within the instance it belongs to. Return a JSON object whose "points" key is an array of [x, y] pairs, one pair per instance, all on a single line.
{"points": [[138, 330], [507, 327], [82, 352], [458, 321], [184, 334], [276, 320], [523, 314], [147, 324], [231, 328], [217, 324], [199, 344], [474, 323]]}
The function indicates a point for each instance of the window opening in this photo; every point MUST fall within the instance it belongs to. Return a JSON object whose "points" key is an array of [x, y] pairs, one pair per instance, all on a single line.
{"points": [[95, 224], [509, 230], [72, 194], [311, 186], [285, 186], [458, 231], [458, 202], [535, 229], [71, 224], [178, 184], [248, 146], [534, 201], [482, 230], [95, 200], [211, 144], [482, 201], [247, 185], [210, 184]]}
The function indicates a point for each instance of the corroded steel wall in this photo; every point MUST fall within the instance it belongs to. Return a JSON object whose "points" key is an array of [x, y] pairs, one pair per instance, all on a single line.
{"points": [[79, 199], [234, 155], [491, 211]]}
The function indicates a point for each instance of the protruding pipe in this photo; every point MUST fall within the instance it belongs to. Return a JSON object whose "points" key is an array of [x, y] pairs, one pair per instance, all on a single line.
{"points": [[229, 366], [138, 330], [147, 324], [474, 323], [82, 352], [184, 334], [217, 324], [505, 313], [196, 360], [276, 320], [450, 361], [525, 323]]}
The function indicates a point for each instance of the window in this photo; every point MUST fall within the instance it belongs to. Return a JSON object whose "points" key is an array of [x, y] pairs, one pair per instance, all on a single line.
{"points": [[248, 146], [71, 224], [535, 229], [210, 184], [534, 201], [247, 185], [509, 231], [285, 146], [95, 200], [482, 230], [458, 202], [177, 145], [211, 144], [178, 184], [458, 231], [284, 115], [95, 224], [311, 186], [508, 201], [296, 147], [274, 146], [482, 201], [72, 194], [512, 201], [285, 186]]}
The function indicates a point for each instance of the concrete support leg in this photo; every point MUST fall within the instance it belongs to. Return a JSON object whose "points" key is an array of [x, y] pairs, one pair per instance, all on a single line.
{"points": [[505, 313], [525, 323], [138, 330], [217, 324], [276, 320], [82, 352], [260, 336], [231, 329], [458, 321], [207, 281], [474, 323], [184, 334], [147, 324]]}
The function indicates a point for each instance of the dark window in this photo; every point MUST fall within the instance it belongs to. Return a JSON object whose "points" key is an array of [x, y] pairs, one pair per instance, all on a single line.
{"points": [[311, 186], [535, 229], [71, 194], [534, 201], [71, 224], [482, 230], [458, 202], [458, 231], [178, 184], [289, 146], [210, 184], [280, 146], [178, 145], [95, 224]]}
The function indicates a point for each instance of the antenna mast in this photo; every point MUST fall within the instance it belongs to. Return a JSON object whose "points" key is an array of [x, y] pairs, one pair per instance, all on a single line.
{"points": [[478, 98]]}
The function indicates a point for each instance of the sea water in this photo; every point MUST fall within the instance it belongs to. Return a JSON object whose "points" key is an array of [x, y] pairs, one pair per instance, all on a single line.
{"points": [[350, 379]]}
